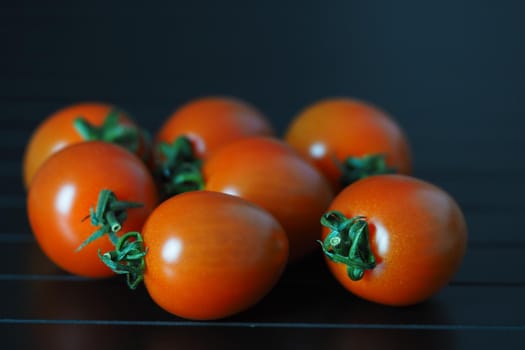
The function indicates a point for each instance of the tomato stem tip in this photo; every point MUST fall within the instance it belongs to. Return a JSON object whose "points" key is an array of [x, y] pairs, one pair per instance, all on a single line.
{"points": [[108, 215], [348, 243], [127, 258]]}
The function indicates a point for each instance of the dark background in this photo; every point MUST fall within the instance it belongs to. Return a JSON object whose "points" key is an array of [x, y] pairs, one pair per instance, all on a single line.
{"points": [[450, 72]]}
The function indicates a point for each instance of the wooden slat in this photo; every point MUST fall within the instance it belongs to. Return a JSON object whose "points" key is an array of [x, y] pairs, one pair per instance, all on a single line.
{"points": [[46, 336], [330, 306]]}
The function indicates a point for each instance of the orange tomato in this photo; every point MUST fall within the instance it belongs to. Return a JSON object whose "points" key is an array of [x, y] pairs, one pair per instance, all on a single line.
{"points": [[330, 131], [407, 240], [210, 255], [269, 173], [58, 131], [68, 184], [211, 122]]}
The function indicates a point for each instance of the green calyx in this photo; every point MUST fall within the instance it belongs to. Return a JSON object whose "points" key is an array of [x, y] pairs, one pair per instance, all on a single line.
{"points": [[348, 243], [127, 258], [179, 169], [108, 215], [356, 168], [110, 131]]}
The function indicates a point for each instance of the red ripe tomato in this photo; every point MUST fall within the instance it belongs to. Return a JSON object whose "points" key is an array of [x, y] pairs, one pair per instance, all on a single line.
{"points": [[59, 130], [210, 255], [68, 184], [407, 239], [333, 132], [269, 173], [211, 122]]}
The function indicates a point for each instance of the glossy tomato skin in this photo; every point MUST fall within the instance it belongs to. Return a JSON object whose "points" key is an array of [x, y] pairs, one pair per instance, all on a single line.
{"points": [[418, 236], [270, 174], [68, 184], [336, 128], [57, 131], [211, 255], [212, 122]]}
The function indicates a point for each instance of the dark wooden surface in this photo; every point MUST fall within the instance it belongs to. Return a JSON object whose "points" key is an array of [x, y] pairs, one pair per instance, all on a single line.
{"points": [[450, 72]]}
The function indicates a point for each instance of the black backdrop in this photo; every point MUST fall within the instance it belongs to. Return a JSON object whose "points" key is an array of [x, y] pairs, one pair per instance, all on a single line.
{"points": [[451, 72]]}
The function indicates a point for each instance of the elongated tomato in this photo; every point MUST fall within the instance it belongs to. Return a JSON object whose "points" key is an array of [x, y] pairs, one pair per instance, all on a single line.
{"points": [[394, 239], [348, 139], [206, 255], [269, 173], [68, 185], [77, 123], [212, 122]]}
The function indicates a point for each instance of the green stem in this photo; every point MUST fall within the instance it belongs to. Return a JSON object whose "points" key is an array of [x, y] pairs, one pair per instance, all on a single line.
{"points": [[108, 216], [127, 258], [356, 168], [111, 130], [179, 169], [113, 223], [348, 243]]}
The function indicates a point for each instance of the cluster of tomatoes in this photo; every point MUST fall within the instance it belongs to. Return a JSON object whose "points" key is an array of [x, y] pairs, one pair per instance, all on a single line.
{"points": [[210, 211]]}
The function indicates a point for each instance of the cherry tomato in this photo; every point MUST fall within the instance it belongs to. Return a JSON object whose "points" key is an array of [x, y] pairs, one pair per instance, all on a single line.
{"points": [[68, 184], [347, 139], [269, 173], [210, 255], [394, 239], [59, 130], [211, 122]]}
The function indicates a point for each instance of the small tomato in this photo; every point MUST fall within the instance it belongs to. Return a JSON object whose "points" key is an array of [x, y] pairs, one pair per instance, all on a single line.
{"points": [[394, 239], [270, 174], [347, 140], [68, 185], [211, 122], [205, 255], [77, 123]]}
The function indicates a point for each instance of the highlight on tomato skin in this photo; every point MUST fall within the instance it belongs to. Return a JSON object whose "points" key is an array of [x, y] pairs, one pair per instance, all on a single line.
{"points": [[348, 139], [394, 239], [213, 121], [68, 185], [209, 255], [269, 173]]}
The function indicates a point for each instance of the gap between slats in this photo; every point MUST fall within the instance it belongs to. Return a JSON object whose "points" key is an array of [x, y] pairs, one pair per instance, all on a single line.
{"points": [[472, 327]]}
